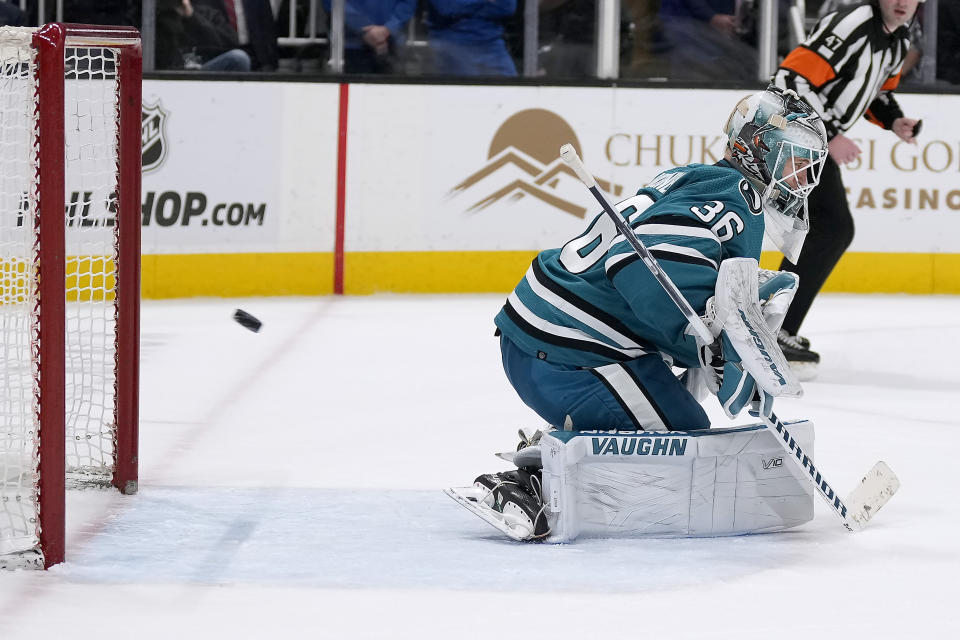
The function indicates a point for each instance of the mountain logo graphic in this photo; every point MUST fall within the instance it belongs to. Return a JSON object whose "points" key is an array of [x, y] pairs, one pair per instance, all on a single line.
{"points": [[524, 161]]}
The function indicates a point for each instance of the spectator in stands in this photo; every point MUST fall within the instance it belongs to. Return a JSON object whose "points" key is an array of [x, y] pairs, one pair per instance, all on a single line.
{"points": [[255, 25], [466, 37], [704, 41], [10, 15], [373, 33], [196, 37]]}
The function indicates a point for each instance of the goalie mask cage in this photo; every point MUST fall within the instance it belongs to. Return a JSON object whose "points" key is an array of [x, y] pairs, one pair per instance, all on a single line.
{"points": [[69, 275]]}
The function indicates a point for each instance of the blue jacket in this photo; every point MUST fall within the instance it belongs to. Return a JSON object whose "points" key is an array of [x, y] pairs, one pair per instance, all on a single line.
{"points": [[393, 14], [469, 21]]}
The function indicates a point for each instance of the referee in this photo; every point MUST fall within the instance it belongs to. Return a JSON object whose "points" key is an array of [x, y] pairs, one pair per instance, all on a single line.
{"points": [[848, 67]]}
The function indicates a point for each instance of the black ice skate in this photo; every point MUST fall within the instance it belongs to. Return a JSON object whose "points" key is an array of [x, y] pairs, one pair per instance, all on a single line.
{"points": [[802, 360], [511, 501]]}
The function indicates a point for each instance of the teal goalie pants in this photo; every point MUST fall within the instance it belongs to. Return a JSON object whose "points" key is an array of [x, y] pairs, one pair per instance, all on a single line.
{"points": [[639, 394]]}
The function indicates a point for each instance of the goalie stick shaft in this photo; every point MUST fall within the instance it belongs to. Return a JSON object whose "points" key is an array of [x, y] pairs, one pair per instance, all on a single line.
{"points": [[787, 441], [790, 445]]}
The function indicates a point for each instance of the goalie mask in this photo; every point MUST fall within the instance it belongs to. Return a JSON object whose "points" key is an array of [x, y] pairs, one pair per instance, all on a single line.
{"points": [[779, 143]]}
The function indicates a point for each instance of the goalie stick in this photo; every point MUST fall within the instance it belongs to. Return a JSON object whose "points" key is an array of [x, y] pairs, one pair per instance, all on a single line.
{"points": [[876, 487]]}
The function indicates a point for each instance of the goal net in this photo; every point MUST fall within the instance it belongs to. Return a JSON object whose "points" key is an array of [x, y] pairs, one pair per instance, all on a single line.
{"points": [[69, 276]]}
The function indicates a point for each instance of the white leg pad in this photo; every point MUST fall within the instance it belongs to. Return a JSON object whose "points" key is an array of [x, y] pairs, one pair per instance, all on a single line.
{"points": [[710, 483]]}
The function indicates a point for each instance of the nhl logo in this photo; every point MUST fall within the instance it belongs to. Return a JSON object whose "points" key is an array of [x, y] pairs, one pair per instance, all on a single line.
{"points": [[153, 133]]}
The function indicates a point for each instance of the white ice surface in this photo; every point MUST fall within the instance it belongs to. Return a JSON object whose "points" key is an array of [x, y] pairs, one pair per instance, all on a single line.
{"points": [[290, 487]]}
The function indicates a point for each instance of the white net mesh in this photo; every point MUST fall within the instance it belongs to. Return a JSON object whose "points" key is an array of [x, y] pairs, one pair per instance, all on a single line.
{"points": [[19, 418], [91, 169], [91, 137]]}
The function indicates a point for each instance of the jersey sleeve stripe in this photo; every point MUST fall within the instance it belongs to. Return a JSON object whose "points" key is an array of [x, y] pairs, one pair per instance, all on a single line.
{"points": [[688, 255], [550, 333], [580, 310], [669, 251], [675, 230], [653, 234], [674, 219], [811, 65], [618, 263]]}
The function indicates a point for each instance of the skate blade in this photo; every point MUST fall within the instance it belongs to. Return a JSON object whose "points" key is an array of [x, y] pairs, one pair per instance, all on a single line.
{"points": [[874, 491], [470, 498], [805, 371]]}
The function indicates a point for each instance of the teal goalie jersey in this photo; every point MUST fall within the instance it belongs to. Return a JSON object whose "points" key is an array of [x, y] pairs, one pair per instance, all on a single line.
{"points": [[593, 301]]}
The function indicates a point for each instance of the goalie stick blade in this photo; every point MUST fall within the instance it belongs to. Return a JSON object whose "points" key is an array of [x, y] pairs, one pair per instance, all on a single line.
{"points": [[874, 491], [470, 498]]}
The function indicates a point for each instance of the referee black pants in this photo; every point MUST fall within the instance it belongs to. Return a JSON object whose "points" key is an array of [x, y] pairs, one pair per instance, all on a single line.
{"points": [[831, 232]]}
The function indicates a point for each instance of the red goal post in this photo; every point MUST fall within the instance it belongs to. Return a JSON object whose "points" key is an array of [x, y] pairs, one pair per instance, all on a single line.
{"points": [[70, 153]]}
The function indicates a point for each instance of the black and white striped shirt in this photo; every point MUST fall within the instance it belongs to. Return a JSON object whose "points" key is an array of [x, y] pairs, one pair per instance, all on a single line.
{"points": [[848, 67]]}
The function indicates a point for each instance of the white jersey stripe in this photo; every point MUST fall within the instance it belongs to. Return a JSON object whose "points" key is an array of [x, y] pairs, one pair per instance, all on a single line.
{"points": [[687, 251], [675, 230], [665, 247], [578, 314], [668, 230], [563, 332], [620, 257]]}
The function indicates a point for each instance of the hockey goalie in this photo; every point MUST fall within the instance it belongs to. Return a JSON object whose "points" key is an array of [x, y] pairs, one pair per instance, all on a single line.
{"points": [[593, 343]]}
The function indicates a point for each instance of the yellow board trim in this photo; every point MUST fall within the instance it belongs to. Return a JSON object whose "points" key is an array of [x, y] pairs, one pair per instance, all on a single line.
{"points": [[434, 271], [236, 275], [862, 272], [278, 274], [499, 271]]}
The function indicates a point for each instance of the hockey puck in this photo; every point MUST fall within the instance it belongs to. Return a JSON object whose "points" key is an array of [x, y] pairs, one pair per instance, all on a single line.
{"points": [[247, 320]]}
